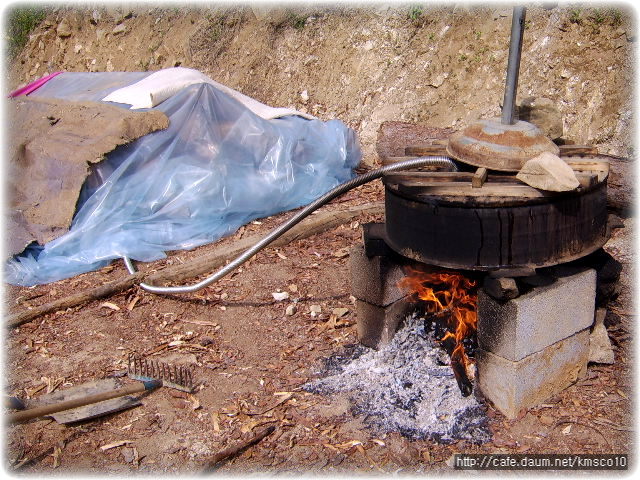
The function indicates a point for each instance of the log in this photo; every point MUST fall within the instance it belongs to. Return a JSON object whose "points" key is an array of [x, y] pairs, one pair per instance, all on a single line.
{"points": [[212, 464], [177, 273]]}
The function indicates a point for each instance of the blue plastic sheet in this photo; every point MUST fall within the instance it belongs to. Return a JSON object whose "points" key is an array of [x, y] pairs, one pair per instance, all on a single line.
{"points": [[217, 167]]}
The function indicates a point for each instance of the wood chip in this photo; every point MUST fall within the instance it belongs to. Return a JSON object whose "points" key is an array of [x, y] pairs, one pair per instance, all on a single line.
{"points": [[57, 452], [621, 393], [119, 443], [110, 305], [51, 383], [195, 402], [133, 302], [203, 323], [215, 418]]}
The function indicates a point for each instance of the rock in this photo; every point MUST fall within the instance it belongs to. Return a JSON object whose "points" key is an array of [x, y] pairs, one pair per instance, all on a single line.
{"points": [[439, 80], [280, 296], [548, 172], [77, 49], [100, 34], [600, 349], [315, 310], [503, 288], [304, 96], [120, 28], [546, 420], [543, 113], [129, 454], [96, 16], [291, 309], [64, 29]]}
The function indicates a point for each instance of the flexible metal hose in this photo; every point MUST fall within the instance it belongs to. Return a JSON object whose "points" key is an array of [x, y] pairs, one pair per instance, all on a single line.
{"points": [[435, 161]]}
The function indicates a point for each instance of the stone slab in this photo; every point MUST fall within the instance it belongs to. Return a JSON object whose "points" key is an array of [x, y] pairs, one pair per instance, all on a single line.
{"points": [[375, 280], [531, 322], [377, 325], [600, 349], [514, 386]]}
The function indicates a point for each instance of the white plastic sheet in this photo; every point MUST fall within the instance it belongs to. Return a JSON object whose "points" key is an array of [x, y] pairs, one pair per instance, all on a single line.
{"points": [[217, 167]]}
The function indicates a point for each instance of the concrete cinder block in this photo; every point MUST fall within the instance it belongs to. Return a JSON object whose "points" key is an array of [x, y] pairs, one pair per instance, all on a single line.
{"points": [[375, 280], [513, 386], [517, 328], [377, 325]]}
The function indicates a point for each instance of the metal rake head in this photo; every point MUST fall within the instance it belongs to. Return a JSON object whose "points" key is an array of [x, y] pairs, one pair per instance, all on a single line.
{"points": [[172, 376]]}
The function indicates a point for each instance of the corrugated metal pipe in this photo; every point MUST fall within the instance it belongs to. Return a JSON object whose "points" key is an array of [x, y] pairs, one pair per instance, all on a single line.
{"points": [[433, 161]]}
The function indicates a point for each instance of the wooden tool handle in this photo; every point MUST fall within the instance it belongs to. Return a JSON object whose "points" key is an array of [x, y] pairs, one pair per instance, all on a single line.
{"points": [[24, 415]]}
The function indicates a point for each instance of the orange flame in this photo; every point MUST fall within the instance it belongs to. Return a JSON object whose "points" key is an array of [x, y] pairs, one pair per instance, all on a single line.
{"points": [[446, 292]]}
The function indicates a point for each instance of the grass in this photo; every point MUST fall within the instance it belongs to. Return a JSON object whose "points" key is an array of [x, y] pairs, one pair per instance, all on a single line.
{"points": [[596, 17], [20, 21], [415, 12], [574, 16]]}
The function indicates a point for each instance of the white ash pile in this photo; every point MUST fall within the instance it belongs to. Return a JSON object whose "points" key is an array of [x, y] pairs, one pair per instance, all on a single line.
{"points": [[406, 388]]}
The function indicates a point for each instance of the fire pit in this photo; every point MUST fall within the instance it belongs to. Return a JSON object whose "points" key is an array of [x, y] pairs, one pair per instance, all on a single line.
{"points": [[523, 250], [520, 247]]}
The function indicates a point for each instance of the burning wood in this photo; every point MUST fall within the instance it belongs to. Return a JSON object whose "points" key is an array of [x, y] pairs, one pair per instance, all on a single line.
{"points": [[451, 298]]}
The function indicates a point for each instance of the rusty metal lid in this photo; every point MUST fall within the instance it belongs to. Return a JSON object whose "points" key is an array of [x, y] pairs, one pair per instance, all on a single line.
{"points": [[497, 146]]}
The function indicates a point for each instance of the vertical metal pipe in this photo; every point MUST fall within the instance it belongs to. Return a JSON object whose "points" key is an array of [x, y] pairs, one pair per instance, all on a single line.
{"points": [[513, 67]]}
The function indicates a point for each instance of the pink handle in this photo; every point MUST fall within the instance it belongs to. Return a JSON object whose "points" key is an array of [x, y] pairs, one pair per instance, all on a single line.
{"points": [[26, 90]]}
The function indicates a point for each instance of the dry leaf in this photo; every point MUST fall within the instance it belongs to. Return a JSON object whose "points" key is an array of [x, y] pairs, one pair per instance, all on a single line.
{"points": [[110, 305], [283, 257], [621, 393], [380, 442], [566, 430], [119, 443]]}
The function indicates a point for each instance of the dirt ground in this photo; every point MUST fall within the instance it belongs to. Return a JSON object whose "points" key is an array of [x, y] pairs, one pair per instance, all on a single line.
{"points": [[250, 356]]}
